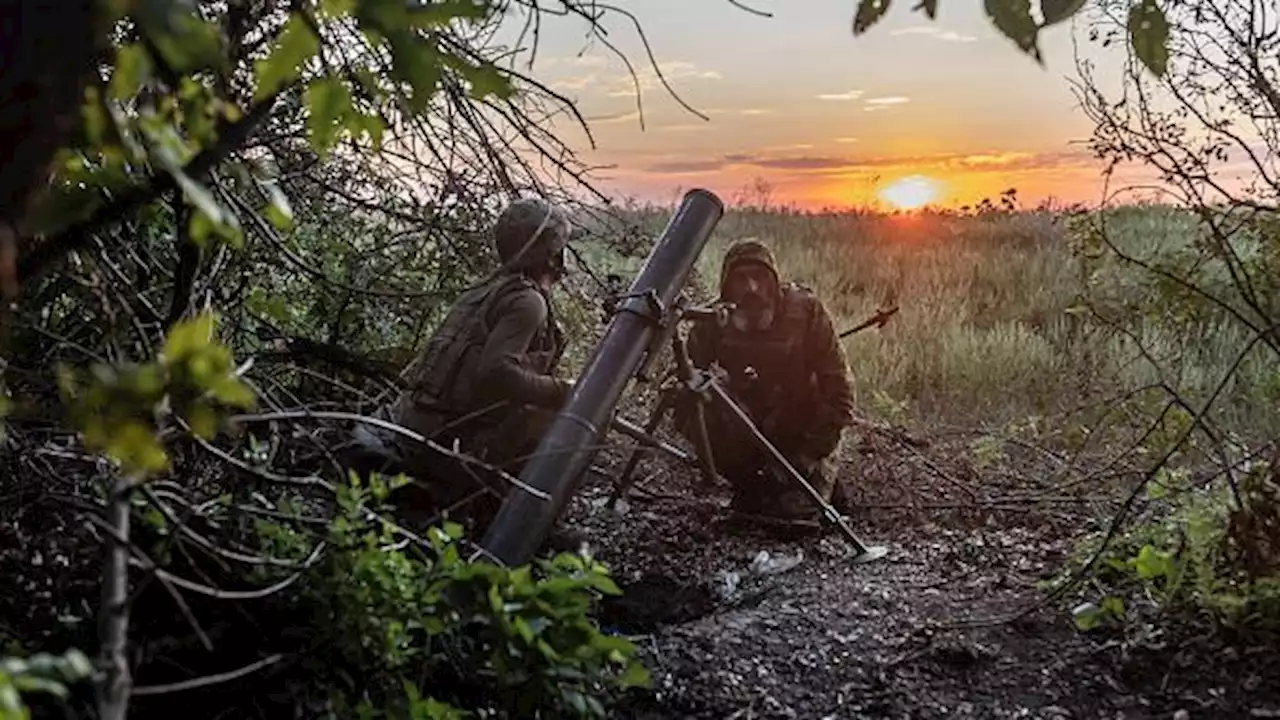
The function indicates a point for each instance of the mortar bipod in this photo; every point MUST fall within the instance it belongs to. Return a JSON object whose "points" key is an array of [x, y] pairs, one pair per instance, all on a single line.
{"points": [[704, 389], [671, 388]]}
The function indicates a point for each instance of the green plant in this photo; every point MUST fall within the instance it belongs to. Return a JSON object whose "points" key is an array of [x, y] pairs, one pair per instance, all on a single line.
{"points": [[401, 620], [41, 673], [1205, 552], [121, 409]]}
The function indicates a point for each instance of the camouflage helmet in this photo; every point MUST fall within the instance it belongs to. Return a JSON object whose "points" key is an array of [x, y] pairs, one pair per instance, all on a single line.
{"points": [[531, 235], [748, 251]]}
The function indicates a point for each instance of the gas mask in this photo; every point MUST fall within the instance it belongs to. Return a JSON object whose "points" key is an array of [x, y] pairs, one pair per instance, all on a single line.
{"points": [[753, 291]]}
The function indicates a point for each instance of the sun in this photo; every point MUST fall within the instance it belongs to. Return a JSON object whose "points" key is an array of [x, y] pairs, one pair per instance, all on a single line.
{"points": [[910, 193]]}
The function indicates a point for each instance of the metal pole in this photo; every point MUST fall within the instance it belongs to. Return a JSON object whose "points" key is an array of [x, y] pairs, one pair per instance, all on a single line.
{"points": [[865, 553], [564, 453], [645, 437]]}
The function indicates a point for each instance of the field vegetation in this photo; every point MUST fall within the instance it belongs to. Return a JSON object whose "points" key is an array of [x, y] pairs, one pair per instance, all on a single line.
{"points": [[228, 226]]}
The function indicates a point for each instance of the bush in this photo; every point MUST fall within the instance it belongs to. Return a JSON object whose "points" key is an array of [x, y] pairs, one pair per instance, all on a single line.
{"points": [[407, 631], [1213, 550]]}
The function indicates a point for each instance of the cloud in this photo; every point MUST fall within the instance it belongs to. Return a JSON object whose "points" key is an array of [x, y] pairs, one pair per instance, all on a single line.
{"points": [[849, 95], [1004, 158], [648, 78], [685, 128], [614, 118], [579, 82], [686, 167], [798, 146], [847, 140], [825, 165], [892, 100], [755, 111], [936, 33], [802, 163], [578, 60]]}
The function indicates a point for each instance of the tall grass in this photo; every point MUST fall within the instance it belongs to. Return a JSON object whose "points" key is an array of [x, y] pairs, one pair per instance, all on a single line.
{"points": [[988, 330]]}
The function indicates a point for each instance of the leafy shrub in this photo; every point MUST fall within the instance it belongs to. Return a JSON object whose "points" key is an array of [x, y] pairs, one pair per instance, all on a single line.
{"points": [[41, 673], [419, 632], [1213, 550]]}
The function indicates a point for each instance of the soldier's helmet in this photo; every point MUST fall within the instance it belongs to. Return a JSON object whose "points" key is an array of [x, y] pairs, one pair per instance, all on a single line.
{"points": [[531, 235], [748, 251]]}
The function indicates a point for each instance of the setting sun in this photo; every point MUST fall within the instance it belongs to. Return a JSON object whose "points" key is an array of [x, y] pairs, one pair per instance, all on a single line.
{"points": [[910, 193]]}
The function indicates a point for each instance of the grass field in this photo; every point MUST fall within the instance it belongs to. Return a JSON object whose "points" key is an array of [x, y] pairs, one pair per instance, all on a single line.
{"points": [[991, 328]]}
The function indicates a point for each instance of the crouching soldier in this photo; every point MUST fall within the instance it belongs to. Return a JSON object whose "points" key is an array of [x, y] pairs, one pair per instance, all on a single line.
{"points": [[786, 369], [485, 382]]}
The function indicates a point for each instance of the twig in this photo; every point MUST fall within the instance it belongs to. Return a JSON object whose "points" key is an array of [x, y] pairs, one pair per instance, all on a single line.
{"points": [[230, 138], [399, 430], [208, 679]]}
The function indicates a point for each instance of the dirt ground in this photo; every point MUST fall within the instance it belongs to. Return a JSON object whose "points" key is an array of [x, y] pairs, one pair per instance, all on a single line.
{"points": [[741, 624]]}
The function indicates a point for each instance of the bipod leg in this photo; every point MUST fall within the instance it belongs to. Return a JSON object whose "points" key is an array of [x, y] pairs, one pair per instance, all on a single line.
{"points": [[665, 400], [706, 460], [865, 553]]}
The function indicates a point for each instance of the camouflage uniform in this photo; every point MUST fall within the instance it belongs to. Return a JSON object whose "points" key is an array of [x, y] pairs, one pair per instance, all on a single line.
{"points": [[799, 396], [485, 382]]}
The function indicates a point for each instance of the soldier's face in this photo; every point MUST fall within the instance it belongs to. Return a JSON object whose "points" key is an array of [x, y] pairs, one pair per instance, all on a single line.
{"points": [[753, 290]]}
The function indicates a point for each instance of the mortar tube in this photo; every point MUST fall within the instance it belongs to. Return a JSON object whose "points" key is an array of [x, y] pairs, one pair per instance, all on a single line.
{"points": [[566, 450]]}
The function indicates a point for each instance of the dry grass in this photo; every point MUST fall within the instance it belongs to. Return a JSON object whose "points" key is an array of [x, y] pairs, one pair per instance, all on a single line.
{"points": [[984, 336]]}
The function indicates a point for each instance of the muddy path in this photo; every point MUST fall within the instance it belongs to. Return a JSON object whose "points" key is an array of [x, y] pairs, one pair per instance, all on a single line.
{"points": [[741, 624]]}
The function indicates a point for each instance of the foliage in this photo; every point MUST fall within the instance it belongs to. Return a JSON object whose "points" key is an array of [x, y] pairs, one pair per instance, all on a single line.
{"points": [[41, 673], [120, 408], [413, 627], [1212, 549], [1148, 29], [175, 101]]}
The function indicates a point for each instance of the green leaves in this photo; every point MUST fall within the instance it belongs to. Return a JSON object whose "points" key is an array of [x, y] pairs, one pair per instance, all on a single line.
{"points": [[1148, 27], [41, 673], [1056, 11], [1088, 616], [930, 8], [525, 632], [1149, 35], [279, 212], [1013, 19], [331, 114], [1151, 563], [118, 409], [869, 13], [486, 80], [296, 45], [185, 41], [133, 68], [329, 108]]}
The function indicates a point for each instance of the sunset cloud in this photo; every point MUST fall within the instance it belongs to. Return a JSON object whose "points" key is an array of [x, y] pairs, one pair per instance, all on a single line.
{"points": [[614, 118], [755, 111], [822, 165], [891, 100], [845, 96], [847, 140], [684, 167], [624, 85], [685, 127], [936, 33]]}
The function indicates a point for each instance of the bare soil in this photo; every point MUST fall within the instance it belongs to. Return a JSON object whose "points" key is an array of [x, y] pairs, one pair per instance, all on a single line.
{"points": [[949, 624]]}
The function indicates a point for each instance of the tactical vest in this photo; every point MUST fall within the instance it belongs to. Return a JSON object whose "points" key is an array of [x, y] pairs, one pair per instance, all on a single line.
{"points": [[784, 380], [441, 382]]}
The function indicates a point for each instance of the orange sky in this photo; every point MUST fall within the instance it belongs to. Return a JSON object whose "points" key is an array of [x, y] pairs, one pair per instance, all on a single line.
{"points": [[824, 118]]}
